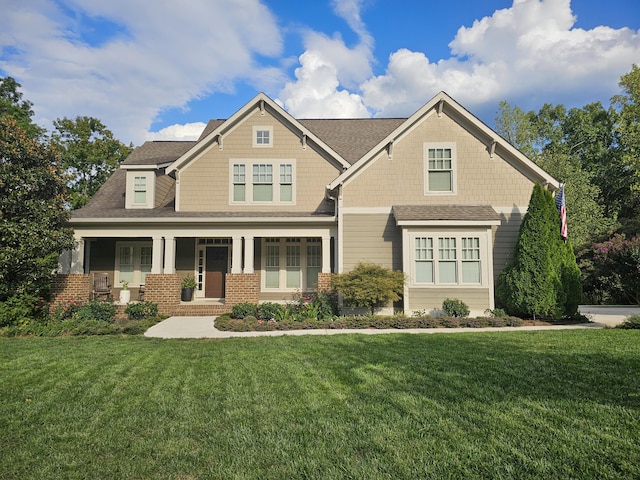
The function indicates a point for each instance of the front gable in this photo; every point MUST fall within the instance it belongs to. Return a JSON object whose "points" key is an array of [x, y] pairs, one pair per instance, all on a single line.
{"points": [[441, 155], [259, 159]]}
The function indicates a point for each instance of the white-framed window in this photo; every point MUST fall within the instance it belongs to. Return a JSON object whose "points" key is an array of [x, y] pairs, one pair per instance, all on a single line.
{"points": [[239, 182], [133, 262], [140, 189], [448, 259], [290, 264], [263, 182], [439, 168], [260, 181], [262, 137]]}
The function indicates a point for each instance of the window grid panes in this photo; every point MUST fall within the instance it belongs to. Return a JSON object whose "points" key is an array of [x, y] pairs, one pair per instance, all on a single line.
{"points": [[292, 262], [263, 182], [471, 260], [263, 137], [140, 190], [272, 266], [424, 259], [239, 183], [447, 265], [286, 182], [440, 171]]}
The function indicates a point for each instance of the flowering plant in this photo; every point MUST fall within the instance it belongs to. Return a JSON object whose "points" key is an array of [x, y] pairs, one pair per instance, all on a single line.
{"points": [[125, 284]]}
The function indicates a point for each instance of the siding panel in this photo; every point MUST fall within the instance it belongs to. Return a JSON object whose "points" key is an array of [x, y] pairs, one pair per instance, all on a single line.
{"points": [[371, 238]]}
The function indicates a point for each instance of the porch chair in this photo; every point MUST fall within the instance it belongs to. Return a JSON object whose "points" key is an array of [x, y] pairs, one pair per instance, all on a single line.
{"points": [[101, 285], [141, 293]]}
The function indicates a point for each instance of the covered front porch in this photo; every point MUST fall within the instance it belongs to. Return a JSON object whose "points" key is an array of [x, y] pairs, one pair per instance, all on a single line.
{"points": [[229, 265]]}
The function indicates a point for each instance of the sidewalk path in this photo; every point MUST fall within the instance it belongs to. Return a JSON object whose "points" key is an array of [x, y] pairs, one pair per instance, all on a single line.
{"points": [[202, 327]]}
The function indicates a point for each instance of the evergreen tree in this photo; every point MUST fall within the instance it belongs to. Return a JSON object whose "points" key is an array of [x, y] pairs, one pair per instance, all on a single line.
{"points": [[544, 279]]}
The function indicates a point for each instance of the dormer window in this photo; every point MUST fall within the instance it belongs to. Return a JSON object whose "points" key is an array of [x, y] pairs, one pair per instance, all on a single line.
{"points": [[262, 137], [140, 189]]}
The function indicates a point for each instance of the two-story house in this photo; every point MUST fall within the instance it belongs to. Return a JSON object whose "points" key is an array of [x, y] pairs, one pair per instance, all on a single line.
{"points": [[264, 205]]}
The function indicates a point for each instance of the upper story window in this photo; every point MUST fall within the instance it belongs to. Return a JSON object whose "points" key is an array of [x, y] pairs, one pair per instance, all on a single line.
{"points": [[262, 182], [140, 189], [262, 136], [440, 172]]}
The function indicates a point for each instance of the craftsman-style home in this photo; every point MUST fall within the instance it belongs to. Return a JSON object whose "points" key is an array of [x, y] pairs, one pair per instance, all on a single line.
{"points": [[264, 205]]}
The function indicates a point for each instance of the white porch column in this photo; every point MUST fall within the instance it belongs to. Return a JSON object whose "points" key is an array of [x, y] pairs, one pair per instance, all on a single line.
{"points": [[236, 258], [170, 255], [77, 257], [326, 254], [249, 248], [156, 255]]}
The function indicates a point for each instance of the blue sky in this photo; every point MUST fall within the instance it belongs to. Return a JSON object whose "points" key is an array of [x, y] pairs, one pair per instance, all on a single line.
{"points": [[161, 72]]}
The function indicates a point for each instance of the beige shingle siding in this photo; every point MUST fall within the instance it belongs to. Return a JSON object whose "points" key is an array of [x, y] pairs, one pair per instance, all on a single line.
{"points": [[205, 184], [504, 241], [477, 299], [479, 178], [371, 238]]}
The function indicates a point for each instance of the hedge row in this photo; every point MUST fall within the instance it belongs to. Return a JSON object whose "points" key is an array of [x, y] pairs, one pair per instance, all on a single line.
{"points": [[249, 324]]}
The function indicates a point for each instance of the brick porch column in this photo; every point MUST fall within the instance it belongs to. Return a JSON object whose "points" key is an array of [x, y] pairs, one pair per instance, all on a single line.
{"points": [[71, 286], [163, 289], [242, 287], [324, 281]]}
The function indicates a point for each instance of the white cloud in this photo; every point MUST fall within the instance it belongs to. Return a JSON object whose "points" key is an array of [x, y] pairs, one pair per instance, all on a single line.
{"points": [[163, 57], [529, 53], [328, 64], [188, 131]]}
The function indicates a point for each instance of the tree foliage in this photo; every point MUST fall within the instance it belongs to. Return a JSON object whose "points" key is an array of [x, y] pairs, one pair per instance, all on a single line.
{"points": [[369, 285], [32, 213], [13, 106], [90, 154], [544, 279]]}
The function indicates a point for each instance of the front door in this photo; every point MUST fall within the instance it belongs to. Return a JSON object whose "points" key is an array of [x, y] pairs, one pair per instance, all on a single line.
{"points": [[217, 259]]}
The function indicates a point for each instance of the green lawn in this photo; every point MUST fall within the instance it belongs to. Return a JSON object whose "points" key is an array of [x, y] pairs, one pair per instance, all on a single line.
{"points": [[549, 405]]}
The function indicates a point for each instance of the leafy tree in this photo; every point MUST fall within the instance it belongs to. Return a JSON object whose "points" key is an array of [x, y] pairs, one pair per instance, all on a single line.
{"points": [[544, 279], [516, 126], [12, 105], [32, 213], [369, 285], [89, 153], [614, 271], [574, 147], [628, 136]]}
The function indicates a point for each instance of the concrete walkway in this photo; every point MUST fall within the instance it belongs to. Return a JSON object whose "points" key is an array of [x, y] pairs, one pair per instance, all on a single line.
{"points": [[202, 327]]}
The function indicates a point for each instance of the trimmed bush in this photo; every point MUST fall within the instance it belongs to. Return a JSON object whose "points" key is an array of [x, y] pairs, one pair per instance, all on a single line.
{"points": [[141, 310], [455, 308], [96, 310], [244, 309], [268, 311]]}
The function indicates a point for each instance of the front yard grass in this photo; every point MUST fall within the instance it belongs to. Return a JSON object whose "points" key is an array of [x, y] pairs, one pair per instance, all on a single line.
{"points": [[554, 404]]}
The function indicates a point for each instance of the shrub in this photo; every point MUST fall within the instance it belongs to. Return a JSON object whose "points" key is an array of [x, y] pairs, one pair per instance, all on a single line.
{"points": [[369, 285], [19, 308], [495, 313], [630, 323], [268, 311], [141, 310], [242, 310], [101, 311], [455, 308], [318, 304]]}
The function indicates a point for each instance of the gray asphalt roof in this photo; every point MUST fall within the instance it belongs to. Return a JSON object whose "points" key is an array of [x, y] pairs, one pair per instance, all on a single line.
{"points": [[444, 212]]}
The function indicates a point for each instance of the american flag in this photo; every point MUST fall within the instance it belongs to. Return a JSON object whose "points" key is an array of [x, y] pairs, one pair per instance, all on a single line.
{"points": [[562, 210]]}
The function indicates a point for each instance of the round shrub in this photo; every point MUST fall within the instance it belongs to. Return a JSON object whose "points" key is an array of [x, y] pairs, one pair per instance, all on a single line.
{"points": [[455, 308], [267, 311]]}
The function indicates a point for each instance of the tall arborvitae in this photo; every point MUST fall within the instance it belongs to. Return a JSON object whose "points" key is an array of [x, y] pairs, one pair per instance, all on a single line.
{"points": [[543, 280]]}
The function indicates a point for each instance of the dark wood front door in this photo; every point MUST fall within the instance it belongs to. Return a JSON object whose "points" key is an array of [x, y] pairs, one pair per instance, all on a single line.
{"points": [[216, 268]]}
